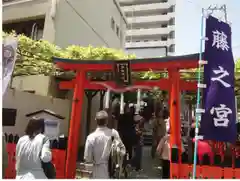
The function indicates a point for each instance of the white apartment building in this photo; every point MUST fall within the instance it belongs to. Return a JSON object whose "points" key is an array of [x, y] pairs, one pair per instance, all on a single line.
{"points": [[151, 27], [67, 22]]}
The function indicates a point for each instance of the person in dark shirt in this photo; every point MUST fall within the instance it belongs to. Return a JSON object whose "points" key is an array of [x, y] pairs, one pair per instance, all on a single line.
{"points": [[139, 128], [126, 129]]}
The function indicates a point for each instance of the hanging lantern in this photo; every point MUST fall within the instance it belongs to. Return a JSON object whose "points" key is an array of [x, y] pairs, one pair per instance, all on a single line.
{"points": [[107, 100]]}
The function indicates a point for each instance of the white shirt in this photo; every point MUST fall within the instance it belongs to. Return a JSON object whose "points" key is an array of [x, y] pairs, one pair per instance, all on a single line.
{"points": [[98, 148], [28, 163], [164, 148]]}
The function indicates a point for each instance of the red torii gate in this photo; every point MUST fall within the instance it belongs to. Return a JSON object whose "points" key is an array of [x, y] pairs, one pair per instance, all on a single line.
{"points": [[173, 84]]}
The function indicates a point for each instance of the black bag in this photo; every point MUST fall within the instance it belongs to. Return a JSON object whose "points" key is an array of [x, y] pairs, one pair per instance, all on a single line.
{"points": [[48, 168], [110, 164]]}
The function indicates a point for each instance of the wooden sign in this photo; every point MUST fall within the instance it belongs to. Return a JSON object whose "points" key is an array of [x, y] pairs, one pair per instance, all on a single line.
{"points": [[122, 72], [100, 76]]}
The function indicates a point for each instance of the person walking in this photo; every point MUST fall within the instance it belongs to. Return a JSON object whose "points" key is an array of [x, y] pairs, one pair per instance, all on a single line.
{"points": [[204, 148], [32, 149], [98, 147], [137, 160], [159, 131], [163, 150], [126, 129]]}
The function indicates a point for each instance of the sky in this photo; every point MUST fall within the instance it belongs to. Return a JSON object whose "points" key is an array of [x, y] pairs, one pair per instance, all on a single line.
{"points": [[188, 24]]}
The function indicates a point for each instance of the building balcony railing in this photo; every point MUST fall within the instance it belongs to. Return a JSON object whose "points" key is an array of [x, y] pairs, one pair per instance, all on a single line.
{"points": [[146, 7], [147, 32], [135, 2], [10, 1], [146, 44], [148, 19], [171, 41], [7, 1]]}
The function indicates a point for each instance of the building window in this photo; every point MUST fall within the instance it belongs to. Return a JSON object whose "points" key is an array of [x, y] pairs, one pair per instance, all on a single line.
{"points": [[164, 25], [31, 28], [164, 38], [172, 21], [172, 35], [171, 48], [121, 35], [117, 30], [112, 24], [172, 9]]}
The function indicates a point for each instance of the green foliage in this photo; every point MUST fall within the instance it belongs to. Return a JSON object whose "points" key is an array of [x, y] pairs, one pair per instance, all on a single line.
{"points": [[35, 57]]}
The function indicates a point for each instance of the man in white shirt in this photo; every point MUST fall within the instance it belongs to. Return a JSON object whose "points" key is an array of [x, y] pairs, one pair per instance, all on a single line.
{"points": [[98, 146]]}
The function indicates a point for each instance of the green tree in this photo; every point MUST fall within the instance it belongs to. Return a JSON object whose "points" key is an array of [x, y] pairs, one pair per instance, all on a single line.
{"points": [[35, 57]]}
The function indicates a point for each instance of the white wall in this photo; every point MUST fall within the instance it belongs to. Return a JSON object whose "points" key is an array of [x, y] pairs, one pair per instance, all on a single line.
{"points": [[26, 103], [19, 10], [38, 83], [71, 28], [68, 27]]}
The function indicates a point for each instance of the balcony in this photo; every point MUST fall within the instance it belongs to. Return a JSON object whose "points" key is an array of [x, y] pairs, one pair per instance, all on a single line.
{"points": [[147, 32], [137, 2], [149, 19], [145, 44], [146, 9], [9, 1], [171, 41], [16, 10]]}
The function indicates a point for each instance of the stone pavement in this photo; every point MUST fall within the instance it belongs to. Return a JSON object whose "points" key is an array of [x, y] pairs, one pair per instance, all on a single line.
{"points": [[150, 166]]}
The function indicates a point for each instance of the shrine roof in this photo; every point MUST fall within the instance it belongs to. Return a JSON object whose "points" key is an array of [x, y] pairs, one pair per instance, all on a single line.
{"points": [[47, 111], [190, 57]]}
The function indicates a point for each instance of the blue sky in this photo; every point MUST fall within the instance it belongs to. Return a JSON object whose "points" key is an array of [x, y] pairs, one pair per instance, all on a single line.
{"points": [[188, 24]]}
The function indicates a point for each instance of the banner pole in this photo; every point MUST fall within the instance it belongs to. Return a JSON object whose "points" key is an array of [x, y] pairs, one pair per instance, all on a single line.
{"points": [[198, 115]]}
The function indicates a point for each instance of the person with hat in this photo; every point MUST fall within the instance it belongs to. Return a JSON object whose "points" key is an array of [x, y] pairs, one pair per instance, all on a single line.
{"points": [[98, 146]]}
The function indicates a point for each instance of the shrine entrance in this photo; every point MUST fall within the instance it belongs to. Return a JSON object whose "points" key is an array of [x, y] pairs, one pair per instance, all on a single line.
{"points": [[122, 71]]}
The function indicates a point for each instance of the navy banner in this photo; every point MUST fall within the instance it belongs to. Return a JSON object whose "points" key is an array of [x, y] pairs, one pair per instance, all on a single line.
{"points": [[219, 120]]}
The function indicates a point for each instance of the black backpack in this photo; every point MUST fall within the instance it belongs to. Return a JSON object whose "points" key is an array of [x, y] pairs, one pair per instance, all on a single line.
{"points": [[48, 168]]}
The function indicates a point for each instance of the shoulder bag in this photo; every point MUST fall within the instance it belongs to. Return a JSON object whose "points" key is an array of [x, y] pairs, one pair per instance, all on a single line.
{"points": [[48, 167]]}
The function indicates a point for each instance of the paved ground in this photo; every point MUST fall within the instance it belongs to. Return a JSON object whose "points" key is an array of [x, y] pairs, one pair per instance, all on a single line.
{"points": [[149, 165]]}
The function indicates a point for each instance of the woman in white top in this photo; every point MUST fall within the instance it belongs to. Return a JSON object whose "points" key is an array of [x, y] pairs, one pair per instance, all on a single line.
{"points": [[164, 150], [31, 150]]}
